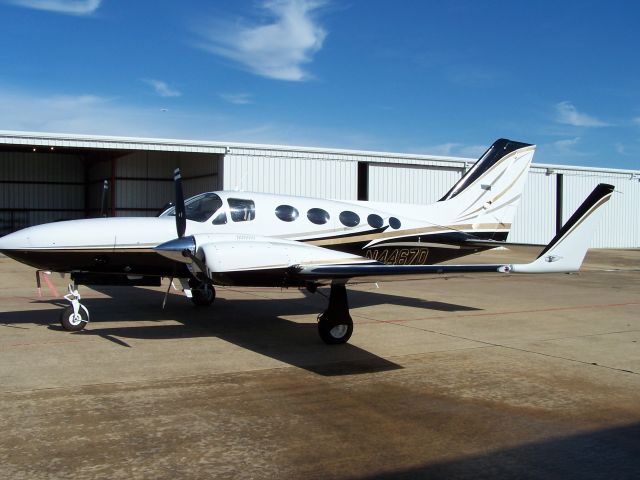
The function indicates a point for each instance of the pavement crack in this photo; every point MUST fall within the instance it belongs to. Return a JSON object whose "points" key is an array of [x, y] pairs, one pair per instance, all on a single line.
{"points": [[524, 350]]}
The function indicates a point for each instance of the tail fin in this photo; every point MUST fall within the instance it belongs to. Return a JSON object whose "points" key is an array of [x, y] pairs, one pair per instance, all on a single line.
{"points": [[488, 194], [567, 249]]}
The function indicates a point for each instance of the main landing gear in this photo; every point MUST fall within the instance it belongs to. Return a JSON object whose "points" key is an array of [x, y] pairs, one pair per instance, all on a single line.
{"points": [[202, 294], [76, 316], [335, 325]]}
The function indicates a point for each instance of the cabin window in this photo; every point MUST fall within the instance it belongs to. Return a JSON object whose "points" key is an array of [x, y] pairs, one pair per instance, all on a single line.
{"points": [[286, 213], [220, 219], [199, 208], [375, 220], [318, 216], [395, 223], [242, 210], [349, 219]]}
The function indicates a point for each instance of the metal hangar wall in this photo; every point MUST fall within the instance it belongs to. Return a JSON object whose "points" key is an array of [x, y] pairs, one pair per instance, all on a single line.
{"points": [[49, 177]]}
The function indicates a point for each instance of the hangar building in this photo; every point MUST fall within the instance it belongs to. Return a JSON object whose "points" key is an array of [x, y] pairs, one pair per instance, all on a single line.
{"points": [[47, 177]]}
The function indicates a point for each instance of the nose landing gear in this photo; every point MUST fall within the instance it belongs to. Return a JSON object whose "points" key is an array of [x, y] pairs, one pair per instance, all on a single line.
{"points": [[76, 316]]}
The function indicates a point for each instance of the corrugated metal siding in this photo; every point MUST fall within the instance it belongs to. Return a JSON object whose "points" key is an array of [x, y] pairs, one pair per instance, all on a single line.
{"points": [[291, 176], [619, 226], [534, 221], [39, 187], [144, 180], [409, 184], [41, 166]]}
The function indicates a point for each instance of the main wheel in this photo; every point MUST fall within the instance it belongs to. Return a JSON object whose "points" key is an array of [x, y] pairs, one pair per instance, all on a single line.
{"points": [[72, 322], [203, 296], [334, 331]]}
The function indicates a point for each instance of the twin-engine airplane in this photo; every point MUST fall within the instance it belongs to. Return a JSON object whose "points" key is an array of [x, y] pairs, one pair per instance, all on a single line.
{"points": [[256, 239]]}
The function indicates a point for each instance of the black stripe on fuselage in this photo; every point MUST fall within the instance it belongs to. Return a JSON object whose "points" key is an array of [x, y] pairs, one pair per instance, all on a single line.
{"points": [[134, 262]]}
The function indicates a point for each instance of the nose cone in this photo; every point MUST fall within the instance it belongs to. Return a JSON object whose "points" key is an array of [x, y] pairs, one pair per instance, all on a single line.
{"points": [[15, 241], [174, 249]]}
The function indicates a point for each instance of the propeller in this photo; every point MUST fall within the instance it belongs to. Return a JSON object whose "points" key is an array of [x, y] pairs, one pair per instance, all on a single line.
{"points": [[103, 203], [181, 246], [181, 215]]}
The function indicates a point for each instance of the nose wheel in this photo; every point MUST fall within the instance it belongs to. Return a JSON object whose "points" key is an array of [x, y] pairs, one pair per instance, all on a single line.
{"points": [[76, 316], [72, 321]]}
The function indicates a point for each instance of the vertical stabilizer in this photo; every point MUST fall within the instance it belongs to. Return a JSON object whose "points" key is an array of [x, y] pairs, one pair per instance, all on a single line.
{"points": [[487, 196]]}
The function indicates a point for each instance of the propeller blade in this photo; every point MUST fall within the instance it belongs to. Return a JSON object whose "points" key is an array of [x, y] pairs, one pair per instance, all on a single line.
{"points": [[103, 203], [181, 215]]}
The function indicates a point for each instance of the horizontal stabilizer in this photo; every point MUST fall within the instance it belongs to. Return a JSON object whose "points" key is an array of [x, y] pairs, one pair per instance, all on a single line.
{"points": [[567, 249]]}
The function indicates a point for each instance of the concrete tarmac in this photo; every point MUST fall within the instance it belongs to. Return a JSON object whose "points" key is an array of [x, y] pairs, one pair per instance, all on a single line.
{"points": [[472, 376]]}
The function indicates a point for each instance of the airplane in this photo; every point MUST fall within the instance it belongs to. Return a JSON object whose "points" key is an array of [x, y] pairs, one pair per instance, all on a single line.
{"points": [[257, 239]]}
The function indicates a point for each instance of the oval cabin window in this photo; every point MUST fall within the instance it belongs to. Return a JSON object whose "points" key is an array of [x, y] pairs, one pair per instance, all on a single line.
{"points": [[286, 213], [375, 220], [318, 216], [349, 219]]}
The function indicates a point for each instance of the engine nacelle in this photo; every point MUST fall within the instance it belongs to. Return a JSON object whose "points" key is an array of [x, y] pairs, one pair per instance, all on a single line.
{"points": [[260, 253]]}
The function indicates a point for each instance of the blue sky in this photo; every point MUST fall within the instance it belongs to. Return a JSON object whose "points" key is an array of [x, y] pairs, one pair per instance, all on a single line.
{"points": [[434, 77]]}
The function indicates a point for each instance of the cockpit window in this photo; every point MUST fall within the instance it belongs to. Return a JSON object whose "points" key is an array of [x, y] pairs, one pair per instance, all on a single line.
{"points": [[220, 219], [242, 210], [198, 208]]}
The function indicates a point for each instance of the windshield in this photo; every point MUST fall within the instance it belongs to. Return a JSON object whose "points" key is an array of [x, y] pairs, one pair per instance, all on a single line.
{"points": [[198, 208]]}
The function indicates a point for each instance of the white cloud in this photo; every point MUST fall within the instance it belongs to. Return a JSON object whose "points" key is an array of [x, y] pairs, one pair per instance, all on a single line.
{"points": [[161, 88], [276, 50], [472, 151], [566, 145], [567, 114], [444, 149], [99, 115], [620, 148], [475, 77], [71, 7], [452, 150], [636, 121], [237, 98]]}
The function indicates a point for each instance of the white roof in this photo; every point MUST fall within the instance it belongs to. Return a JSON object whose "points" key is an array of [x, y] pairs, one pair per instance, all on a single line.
{"points": [[9, 137]]}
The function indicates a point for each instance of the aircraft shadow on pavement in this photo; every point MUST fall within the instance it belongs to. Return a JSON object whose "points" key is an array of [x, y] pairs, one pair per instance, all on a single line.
{"points": [[254, 323]]}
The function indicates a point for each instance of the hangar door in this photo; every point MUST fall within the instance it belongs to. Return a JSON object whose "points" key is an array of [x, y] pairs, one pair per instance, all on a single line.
{"points": [[142, 182], [38, 187], [46, 184]]}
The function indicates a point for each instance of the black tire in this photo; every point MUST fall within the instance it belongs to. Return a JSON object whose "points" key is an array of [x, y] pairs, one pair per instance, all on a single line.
{"points": [[334, 332], [70, 323], [203, 296]]}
